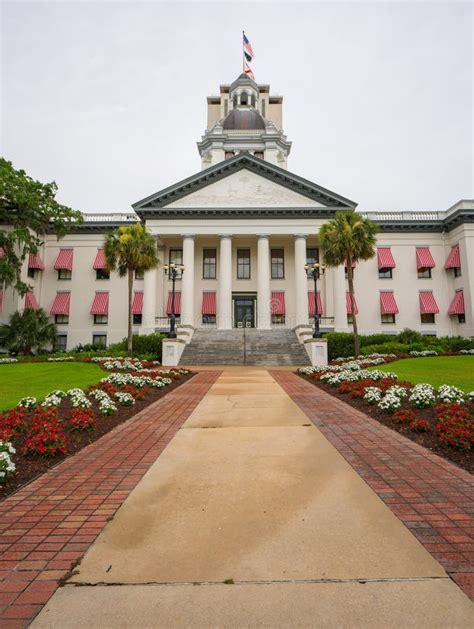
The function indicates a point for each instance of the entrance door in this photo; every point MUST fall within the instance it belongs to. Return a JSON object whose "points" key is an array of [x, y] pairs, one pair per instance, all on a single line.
{"points": [[244, 312]]}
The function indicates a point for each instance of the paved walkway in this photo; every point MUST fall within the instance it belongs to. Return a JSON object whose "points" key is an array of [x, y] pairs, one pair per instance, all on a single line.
{"points": [[251, 493]]}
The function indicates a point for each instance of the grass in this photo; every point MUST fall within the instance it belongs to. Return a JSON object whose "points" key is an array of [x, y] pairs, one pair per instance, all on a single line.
{"points": [[435, 370], [38, 379]]}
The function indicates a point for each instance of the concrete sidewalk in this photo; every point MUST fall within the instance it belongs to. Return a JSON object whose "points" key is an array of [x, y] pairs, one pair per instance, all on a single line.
{"points": [[250, 492]]}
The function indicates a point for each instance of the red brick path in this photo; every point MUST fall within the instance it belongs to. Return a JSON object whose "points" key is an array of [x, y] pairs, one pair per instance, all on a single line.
{"points": [[431, 496], [47, 526]]}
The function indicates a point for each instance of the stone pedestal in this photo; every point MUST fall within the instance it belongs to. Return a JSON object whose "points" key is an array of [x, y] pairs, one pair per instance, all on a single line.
{"points": [[317, 351], [171, 352]]}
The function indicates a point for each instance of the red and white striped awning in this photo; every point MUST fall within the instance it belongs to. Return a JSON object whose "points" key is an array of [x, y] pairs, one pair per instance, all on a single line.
{"points": [[209, 303], [388, 305], [137, 305], [61, 304], [424, 259], [278, 303], [35, 262], [30, 301], [177, 303], [428, 303], [64, 260], [457, 305], [454, 259], [385, 258], [311, 308], [100, 305], [99, 262], [349, 304]]}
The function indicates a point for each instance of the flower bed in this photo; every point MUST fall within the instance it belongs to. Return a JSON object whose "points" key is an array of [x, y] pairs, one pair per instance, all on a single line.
{"points": [[441, 419], [34, 435]]}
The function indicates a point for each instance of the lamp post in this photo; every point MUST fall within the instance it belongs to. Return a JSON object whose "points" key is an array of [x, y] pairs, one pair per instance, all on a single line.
{"points": [[173, 271], [315, 271]]}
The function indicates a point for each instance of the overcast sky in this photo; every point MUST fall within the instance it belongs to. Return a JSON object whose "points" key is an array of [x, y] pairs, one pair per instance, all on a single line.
{"points": [[109, 98]]}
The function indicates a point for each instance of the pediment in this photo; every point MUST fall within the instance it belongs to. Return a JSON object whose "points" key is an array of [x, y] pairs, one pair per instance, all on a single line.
{"points": [[243, 182]]}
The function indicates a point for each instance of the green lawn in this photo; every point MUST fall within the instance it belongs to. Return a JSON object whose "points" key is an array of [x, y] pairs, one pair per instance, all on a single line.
{"points": [[38, 379], [435, 370]]}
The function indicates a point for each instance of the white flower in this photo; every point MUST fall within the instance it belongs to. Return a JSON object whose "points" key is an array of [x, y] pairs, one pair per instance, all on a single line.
{"points": [[422, 396], [63, 359], [125, 399], [8, 361], [107, 406], [425, 352], [372, 395], [27, 402], [399, 392], [6, 464], [448, 393], [389, 403]]}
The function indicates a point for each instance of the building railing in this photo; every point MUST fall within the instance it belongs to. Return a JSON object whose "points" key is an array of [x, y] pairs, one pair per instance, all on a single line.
{"points": [[110, 217], [404, 216]]}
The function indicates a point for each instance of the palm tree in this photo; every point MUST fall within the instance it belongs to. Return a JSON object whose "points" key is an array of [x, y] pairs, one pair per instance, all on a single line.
{"points": [[347, 239], [129, 250], [27, 330]]}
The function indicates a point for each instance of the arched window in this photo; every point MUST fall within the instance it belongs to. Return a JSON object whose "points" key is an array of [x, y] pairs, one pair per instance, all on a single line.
{"points": [[244, 98]]}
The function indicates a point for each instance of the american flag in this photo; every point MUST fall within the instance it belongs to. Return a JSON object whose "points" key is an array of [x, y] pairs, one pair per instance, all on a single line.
{"points": [[248, 48]]}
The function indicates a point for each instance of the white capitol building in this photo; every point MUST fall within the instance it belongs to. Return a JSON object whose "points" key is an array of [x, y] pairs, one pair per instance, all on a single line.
{"points": [[244, 227]]}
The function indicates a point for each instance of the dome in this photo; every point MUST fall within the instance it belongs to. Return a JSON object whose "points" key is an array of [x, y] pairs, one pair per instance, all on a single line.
{"points": [[242, 119]]}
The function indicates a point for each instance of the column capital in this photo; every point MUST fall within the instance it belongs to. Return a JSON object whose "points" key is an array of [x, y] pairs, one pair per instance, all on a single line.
{"points": [[301, 236], [226, 235], [188, 236], [260, 236]]}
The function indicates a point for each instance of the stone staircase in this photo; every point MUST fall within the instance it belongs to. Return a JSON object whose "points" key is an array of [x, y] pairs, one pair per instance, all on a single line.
{"points": [[244, 347]]}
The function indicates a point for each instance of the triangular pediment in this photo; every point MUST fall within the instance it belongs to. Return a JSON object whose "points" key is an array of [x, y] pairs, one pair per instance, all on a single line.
{"points": [[242, 182]]}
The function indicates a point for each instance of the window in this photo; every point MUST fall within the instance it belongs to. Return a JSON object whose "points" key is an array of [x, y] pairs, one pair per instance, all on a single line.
{"points": [[101, 319], [461, 318], [61, 318], [457, 272], [102, 274], [350, 318], [258, 154], [278, 319], [139, 275], [176, 257], [385, 274], [244, 99], [137, 319], [60, 343], [208, 319], [312, 256], [278, 264], [209, 264], [243, 264], [229, 154], [31, 273], [388, 318], [424, 274], [427, 318], [64, 274], [99, 340]]}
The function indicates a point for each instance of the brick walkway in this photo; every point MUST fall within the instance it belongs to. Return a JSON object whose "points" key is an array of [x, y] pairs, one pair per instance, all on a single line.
{"points": [[46, 527], [431, 496]]}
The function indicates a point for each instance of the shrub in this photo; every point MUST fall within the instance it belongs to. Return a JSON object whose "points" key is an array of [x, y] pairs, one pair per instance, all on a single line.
{"points": [[392, 347], [403, 416], [45, 436], [420, 425], [409, 336], [455, 343], [7, 466], [455, 426], [142, 344], [12, 423], [81, 419], [448, 393]]}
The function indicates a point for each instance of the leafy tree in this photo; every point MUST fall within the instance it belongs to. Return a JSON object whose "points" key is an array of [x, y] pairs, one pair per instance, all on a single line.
{"points": [[28, 209], [28, 330], [130, 249], [346, 239]]}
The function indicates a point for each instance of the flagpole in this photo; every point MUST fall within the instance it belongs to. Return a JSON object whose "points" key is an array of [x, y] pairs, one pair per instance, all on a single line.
{"points": [[243, 53]]}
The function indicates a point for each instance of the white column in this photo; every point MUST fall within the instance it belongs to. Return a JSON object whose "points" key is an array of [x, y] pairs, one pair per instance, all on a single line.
{"points": [[339, 299], [187, 282], [224, 295], [149, 302], [301, 281], [263, 284]]}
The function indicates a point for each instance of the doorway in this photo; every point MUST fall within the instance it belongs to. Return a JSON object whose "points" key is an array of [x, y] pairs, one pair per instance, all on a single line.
{"points": [[244, 311]]}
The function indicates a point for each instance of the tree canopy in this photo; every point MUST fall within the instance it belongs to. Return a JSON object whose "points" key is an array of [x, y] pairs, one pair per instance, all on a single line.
{"points": [[28, 331], [28, 209]]}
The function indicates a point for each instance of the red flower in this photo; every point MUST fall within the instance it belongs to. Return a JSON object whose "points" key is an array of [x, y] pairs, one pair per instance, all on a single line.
{"points": [[81, 419]]}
